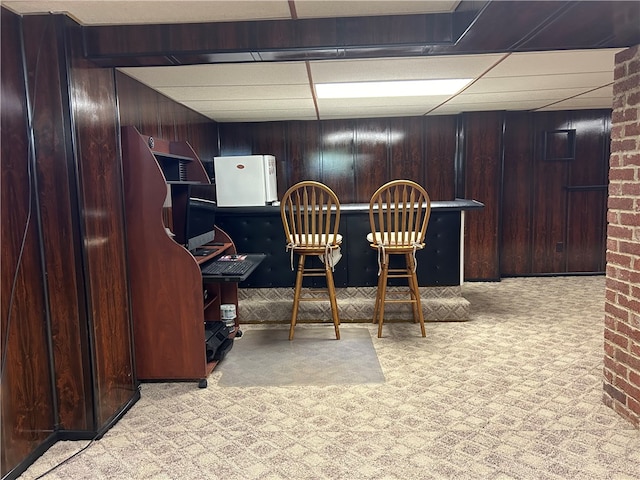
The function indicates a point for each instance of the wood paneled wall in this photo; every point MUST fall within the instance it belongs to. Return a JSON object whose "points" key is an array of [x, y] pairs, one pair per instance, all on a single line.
{"points": [[554, 206], [533, 207], [157, 116], [95, 131], [28, 414], [481, 171], [353, 157], [69, 356]]}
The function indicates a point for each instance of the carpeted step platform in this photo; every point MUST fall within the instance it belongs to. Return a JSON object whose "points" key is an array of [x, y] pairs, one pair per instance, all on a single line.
{"points": [[355, 304]]}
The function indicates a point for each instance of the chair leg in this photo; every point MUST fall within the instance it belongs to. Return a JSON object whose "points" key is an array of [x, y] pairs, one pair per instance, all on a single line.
{"points": [[376, 308], [415, 293], [296, 295], [382, 294], [332, 299]]}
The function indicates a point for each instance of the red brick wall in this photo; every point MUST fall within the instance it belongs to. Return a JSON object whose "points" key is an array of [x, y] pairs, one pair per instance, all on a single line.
{"points": [[622, 304]]}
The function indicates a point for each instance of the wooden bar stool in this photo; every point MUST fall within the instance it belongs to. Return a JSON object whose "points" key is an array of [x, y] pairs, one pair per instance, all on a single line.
{"points": [[398, 213], [310, 214]]}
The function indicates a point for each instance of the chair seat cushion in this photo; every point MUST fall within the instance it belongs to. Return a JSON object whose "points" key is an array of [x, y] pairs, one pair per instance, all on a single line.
{"points": [[393, 239], [315, 240]]}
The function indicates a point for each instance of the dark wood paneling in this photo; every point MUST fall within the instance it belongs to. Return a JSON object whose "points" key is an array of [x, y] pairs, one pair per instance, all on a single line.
{"points": [[591, 165], [235, 139], [99, 167], [406, 148], [317, 33], [534, 208], [155, 115], [549, 198], [607, 20], [523, 26], [483, 173], [587, 192], [371, 169], [304, 160], [338, 158], [59, 214], [270, 138], [268, 39], [439, 156], [586, 230], [27, 402], [515, 253], [138, 105]]}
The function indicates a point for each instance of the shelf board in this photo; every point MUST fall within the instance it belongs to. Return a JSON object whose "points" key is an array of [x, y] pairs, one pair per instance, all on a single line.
{"points": [[172, 156]]}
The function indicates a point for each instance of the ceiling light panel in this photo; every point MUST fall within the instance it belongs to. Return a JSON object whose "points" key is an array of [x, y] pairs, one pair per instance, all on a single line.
{"points": [[402, 88]]}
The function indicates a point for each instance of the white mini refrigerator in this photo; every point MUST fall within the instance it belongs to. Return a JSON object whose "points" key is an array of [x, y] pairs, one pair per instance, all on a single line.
{"points": [[245, 181]]}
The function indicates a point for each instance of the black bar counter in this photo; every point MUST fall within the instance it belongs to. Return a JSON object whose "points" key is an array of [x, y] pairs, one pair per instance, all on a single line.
{"points": [[259, 230]]}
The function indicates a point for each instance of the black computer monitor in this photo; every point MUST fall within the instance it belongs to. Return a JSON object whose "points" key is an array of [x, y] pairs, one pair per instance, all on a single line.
{"points": [[200, 218]]}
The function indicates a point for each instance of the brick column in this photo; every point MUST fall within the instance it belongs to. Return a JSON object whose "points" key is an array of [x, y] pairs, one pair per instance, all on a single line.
{"points": [[622, 303]]}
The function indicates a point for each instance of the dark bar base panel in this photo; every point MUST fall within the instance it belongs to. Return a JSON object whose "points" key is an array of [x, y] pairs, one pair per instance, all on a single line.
{"points": [[259, 230]]}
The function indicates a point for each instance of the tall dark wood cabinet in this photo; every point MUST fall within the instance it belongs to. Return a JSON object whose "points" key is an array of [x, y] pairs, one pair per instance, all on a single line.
{"points": [[169, 299]]}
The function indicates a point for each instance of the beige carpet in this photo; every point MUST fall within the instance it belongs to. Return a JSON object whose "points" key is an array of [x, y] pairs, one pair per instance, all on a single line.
{"points": [[514, 393], [265, 357]]}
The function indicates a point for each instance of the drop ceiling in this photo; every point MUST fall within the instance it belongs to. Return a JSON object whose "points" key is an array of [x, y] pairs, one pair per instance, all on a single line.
{"points": [[272, 91]]}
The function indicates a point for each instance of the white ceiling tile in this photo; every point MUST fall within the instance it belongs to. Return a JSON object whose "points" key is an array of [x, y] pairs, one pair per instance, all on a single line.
{"points": [[319, 9], [240, 92], [260, 116], [109, 12], [544, 82], [580, 103], [604, 92], [257, 105], [380, 110], [555, 62], [542, 95], [463, 66], [282, 73], [495, 105]]}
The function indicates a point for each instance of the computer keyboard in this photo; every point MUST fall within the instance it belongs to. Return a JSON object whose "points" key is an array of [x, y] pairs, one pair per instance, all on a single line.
{"points": [[236, 268]]}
